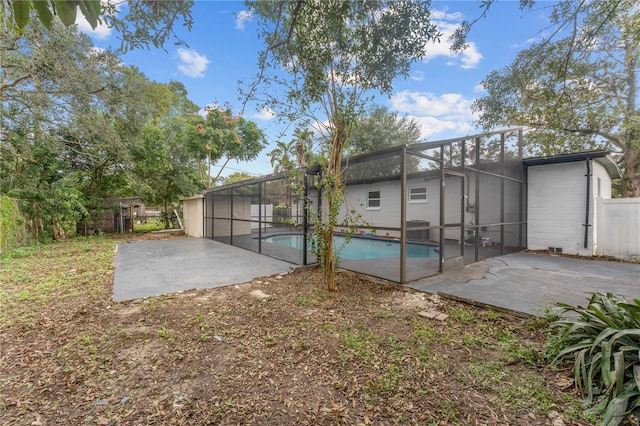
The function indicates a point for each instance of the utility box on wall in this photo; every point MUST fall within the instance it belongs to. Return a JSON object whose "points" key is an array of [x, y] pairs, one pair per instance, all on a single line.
{"points": [[421, 235]]}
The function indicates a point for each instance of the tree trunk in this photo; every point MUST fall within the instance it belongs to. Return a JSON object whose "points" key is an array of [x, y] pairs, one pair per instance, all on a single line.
{"points": [[334, 201], [166, 214], [631, 175], [58, 231], [329, 263]]}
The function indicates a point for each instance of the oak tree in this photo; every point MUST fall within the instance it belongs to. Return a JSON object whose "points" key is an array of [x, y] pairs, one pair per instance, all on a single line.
{"points": [[575, 93]]}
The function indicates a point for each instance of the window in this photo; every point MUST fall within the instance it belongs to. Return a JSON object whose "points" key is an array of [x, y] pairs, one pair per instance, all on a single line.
{"points": [[418, 194], [373, 200]]}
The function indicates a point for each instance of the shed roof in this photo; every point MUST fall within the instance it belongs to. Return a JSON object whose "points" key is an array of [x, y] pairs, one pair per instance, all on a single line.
{"points": [[602, 157]]}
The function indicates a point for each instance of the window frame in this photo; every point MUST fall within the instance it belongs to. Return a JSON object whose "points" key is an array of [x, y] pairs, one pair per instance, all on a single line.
{"points": [[410, 200], [378, 198]]}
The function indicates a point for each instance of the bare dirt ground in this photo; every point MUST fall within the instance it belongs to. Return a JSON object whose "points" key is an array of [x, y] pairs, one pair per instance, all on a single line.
{"points": [[280, 350]]}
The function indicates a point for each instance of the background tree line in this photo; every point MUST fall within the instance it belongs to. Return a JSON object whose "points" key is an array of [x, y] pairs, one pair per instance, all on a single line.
{"points": [[77, 126]]}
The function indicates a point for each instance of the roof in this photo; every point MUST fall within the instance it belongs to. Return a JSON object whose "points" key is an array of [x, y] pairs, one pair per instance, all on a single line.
{"points": [[193, 197], [602, 157]]}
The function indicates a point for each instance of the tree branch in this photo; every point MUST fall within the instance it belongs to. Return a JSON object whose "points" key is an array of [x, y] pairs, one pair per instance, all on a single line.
{"points": [[14, 83], [593, 132]]}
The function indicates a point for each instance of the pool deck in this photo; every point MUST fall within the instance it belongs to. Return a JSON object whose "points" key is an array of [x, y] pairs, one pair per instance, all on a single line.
{"points": [[531, 284], [521, 283], [153, 268]]}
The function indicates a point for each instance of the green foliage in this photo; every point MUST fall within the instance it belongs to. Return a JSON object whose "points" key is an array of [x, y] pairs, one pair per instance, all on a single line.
{"points": [[234, 137], [223, 135], [81, 127], [58, 163], [164, 167], [52, 204], [237, 177], [144, 23], [12, 225], [577, 93], [381, 129], [297, 153], [281, 156], [334, 53], [603, 339]]}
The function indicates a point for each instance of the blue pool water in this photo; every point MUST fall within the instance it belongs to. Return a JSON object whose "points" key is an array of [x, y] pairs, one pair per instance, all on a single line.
{"points": [[359, 248]]}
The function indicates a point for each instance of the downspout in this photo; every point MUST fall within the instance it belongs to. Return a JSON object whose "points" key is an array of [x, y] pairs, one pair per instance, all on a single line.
{"points": [[588, 204], [260, 204], [231, 218], [305, 222]]}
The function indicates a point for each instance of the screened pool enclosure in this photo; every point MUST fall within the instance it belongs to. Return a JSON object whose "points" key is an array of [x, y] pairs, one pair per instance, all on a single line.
{"points": [[420, 209]]}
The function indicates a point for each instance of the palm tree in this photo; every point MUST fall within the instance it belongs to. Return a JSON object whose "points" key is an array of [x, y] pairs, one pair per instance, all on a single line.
{"points": [[303, 142], [281, 156]]}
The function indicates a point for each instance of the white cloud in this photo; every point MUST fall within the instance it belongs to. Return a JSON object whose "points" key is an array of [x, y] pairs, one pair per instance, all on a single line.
{"points": [[417, 76], [471, 56], [264, 114], [444, 15], [101, 31], [432, 126], [447, 23], [241, 19], [450, 112], [192, 64], [95, 51]]}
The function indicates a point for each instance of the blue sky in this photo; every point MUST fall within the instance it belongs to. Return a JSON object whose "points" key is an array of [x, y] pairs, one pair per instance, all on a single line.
{"points": [[223, 49]]}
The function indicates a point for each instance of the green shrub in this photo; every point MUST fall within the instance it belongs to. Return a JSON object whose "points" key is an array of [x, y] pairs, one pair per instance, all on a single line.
{"points": [[12, 225], [604, 341]]}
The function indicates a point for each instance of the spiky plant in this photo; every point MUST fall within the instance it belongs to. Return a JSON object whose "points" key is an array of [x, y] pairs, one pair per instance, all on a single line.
{"points": [[604, 341]]}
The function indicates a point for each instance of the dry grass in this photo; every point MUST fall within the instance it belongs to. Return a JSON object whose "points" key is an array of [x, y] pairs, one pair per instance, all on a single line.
{"points": [[363, 355]]}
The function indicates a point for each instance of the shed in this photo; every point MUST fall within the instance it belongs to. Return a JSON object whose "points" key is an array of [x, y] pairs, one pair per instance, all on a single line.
{"points": [[562, 194], [192, 212]]}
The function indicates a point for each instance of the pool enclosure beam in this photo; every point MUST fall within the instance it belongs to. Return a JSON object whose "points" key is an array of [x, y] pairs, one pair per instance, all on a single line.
{"points": [[403, 215], [465, 184]]}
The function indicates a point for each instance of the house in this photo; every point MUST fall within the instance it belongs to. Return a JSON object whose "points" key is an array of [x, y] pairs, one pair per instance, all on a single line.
{"points": [[422, 209]]}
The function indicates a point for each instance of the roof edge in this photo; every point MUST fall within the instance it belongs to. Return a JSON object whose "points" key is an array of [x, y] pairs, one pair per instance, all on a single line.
{"points": [[602, 157]]}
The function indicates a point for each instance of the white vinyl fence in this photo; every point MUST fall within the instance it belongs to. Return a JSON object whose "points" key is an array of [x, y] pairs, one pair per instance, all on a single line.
{"points": [[618, 227]]}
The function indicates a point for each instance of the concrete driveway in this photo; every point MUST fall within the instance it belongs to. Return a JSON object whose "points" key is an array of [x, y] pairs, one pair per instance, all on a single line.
{"points": [[531, 283], [152, 268], [521, 282]]}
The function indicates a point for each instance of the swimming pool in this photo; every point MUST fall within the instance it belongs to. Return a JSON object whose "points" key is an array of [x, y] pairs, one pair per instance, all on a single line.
{"points": [[359, 248]]}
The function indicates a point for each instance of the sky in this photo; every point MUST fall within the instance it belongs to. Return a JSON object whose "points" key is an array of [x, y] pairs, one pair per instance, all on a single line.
{"points": [[223, 49]]}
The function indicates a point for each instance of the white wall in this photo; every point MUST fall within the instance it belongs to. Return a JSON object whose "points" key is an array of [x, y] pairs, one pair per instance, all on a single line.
{"points": [[241, 210], [192, 216], [265, 216], [388, 215], [556, 206]]}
